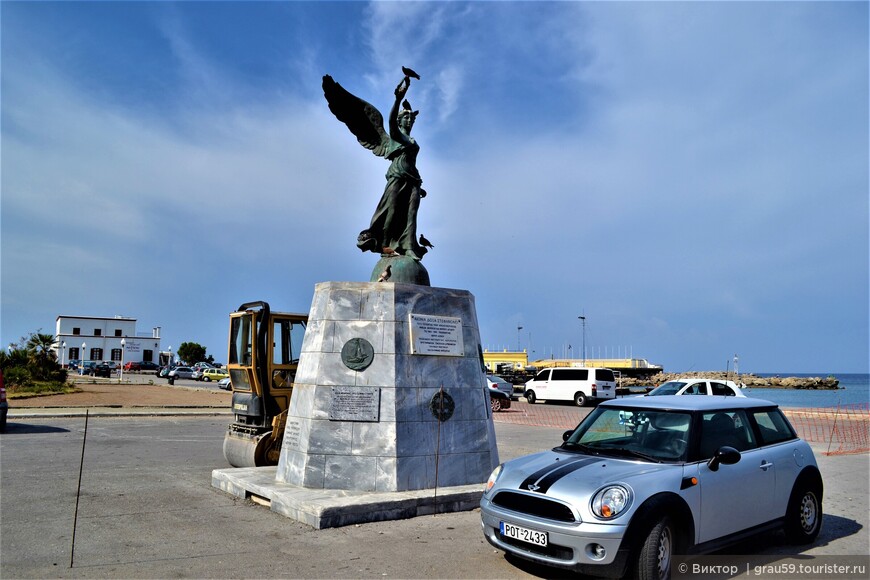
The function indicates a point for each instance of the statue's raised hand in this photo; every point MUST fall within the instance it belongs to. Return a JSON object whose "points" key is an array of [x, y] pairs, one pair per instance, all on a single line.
{"points": [[402, 88]]}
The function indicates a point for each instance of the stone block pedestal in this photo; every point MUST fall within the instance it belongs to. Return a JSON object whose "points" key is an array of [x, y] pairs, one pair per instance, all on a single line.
{"points": [[390, 394]]}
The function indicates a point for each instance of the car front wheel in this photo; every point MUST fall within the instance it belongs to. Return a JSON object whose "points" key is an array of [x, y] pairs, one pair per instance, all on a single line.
{"points": [[654, 558], [803, 520], [530, 397], [206, 379]]}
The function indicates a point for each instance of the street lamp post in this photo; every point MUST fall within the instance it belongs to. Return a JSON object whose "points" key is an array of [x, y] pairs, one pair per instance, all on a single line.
{"points": [[169, 364], [123, 347], [519, 328], [583, 322], [62, 353], [82, 365]]}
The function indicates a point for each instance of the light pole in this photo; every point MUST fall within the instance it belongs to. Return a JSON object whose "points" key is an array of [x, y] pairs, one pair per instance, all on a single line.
{"points": [[583, 322], [519, 328], [123, 346], [62, 352], [82, 365], [169, 364]]}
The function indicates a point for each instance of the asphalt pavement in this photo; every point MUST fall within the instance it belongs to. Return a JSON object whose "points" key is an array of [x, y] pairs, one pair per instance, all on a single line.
{"points": [[146, 509]]}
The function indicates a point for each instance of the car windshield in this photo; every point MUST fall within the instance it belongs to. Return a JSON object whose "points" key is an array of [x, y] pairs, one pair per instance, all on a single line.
{"points": [[646, 434], [668, 388]]}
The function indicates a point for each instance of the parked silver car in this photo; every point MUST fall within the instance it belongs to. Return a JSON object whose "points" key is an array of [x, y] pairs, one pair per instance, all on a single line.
{"points": [[182, 373], [500, 384], [643, 478]]}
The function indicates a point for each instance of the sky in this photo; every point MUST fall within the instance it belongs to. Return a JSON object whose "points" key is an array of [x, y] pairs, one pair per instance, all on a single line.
{"points": [[690, 177]]}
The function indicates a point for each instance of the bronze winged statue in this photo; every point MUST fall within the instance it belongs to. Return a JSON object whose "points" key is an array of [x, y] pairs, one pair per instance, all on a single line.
{"points": [[393, 228]]}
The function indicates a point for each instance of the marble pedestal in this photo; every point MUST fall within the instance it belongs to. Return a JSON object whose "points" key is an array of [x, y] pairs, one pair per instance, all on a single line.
{"points": [[389, 395]]}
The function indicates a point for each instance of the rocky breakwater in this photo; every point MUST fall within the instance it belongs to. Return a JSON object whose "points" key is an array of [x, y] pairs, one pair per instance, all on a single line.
{"points": [[748, 380]]}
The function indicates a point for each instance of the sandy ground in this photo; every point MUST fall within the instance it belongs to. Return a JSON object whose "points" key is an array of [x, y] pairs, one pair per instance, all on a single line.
{"points": [[130, 395]]}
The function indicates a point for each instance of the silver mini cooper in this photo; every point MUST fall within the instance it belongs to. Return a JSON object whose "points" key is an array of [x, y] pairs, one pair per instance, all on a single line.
{"points": [[641, 479]]}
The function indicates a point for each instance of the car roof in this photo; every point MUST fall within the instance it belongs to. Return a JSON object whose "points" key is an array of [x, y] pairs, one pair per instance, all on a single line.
{"points": [[688, 403], [690, 380]]}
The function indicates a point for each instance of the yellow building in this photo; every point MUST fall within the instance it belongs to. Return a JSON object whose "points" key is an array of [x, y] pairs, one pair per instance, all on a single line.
{"points": [[617, 364], [494, 361], [507, 361]]}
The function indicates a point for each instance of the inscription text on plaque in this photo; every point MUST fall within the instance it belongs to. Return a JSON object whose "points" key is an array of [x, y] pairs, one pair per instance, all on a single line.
{"points": [[355, 404], [436, 335]]}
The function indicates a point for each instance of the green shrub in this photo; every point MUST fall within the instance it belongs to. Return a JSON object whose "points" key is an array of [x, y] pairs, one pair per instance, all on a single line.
{"points": [[30, 365], [17, 377], [36, 388]]}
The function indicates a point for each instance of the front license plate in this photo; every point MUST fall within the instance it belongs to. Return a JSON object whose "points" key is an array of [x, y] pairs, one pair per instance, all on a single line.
{"points": [[523, 534]]}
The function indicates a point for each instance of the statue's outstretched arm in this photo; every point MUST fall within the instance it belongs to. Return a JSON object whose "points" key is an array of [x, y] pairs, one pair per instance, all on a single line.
{"points": [[400, 92]]}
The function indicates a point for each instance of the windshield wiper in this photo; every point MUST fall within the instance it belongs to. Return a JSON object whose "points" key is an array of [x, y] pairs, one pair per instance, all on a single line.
{"points": [[631, 453], [582, 447]]}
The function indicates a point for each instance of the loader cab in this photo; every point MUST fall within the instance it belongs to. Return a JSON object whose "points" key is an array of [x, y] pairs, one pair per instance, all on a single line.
{"points": [[263, 356]]}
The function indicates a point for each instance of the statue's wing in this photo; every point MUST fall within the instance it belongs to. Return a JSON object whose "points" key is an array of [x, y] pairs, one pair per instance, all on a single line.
{"points": [[363, 120]]}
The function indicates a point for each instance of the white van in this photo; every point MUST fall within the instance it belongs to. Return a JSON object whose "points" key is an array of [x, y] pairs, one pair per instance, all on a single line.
{"points": [[571, 384]]}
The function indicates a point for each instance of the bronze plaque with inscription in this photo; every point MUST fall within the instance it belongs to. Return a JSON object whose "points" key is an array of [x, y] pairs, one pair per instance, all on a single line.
{"points": [[355, 404]]}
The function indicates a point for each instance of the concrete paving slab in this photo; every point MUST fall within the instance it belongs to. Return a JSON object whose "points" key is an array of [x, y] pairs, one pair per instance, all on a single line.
{"points": [[325, 508]]}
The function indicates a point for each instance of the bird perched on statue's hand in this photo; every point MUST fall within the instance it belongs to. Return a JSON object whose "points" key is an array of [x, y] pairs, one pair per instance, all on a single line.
{"points": [[424, 242], [385, 275], [406, 105], [409, 73]]}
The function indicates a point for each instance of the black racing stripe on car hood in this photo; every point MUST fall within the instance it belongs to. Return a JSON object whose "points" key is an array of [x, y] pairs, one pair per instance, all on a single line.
{"points": [[534, 477], [541, 480]]}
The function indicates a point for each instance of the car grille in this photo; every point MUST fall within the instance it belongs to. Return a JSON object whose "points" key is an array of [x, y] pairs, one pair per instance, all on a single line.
{"points": [[553, 550], [535, 506]]}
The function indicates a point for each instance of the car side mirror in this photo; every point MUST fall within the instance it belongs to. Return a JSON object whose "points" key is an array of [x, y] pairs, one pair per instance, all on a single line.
{"points": [[567, 434], [724, 456]]}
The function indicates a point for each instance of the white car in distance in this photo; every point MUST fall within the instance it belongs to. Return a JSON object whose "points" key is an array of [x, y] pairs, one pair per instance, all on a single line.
{"points": [[698, 387]]}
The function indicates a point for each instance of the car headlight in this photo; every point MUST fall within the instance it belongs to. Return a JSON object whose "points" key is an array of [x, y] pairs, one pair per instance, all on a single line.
{"points": [[610, 501], [493, 477]]}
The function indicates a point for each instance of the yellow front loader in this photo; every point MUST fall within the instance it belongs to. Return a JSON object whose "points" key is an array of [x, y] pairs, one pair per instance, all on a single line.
{"points": [[264, 348]]}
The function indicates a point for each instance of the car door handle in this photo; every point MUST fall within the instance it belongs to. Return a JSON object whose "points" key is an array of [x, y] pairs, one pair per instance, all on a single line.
{"points": [[765, 466]]}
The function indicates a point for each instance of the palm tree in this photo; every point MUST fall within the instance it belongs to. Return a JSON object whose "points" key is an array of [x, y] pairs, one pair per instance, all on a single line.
{"points": [[39, 348], [16, 357], [41, 345]]}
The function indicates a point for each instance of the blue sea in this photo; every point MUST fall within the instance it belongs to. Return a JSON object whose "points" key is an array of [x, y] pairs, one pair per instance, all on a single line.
{"points": [[854, 389]]}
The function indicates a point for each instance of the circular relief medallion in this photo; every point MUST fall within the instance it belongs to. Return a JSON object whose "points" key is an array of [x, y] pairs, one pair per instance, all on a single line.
{"points": [[442, 405], [357, 354]]}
